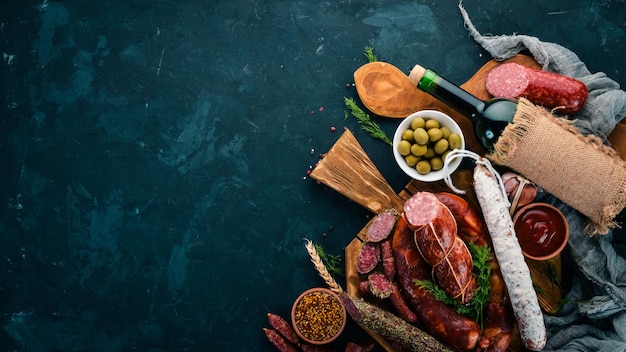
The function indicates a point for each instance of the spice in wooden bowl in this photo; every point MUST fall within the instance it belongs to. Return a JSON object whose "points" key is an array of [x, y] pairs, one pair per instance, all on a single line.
{"points": [[318, 316]]}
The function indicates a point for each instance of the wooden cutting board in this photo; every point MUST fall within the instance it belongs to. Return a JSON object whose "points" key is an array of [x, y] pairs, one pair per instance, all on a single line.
{"points": [[388, 92], [347, 169]]}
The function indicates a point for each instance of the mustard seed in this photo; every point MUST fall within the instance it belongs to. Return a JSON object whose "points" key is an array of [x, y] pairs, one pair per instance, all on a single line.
{"points": [[319, 316]]}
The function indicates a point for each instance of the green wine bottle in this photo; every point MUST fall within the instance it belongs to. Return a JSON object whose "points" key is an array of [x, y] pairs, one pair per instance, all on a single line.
{"points": [[489, 118]]}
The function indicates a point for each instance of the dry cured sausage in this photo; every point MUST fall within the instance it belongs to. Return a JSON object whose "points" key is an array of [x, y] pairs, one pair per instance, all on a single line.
{"points": [[515, 271], [550, 90]]}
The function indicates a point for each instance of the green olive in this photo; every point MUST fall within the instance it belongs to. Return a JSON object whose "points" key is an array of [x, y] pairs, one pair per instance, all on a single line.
{"points": [[441, 146], [411, 160], [432, 123], [423, 167], [430, 152], [445, 155], [446, 132], [417, 122], [436, 163], [404, 148], [407, 135], [434, 134], [418, 150], [421, 136], [455, 141]]}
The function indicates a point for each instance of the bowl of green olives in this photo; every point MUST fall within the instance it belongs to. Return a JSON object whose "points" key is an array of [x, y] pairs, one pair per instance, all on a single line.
{"points": [[423, 140]]}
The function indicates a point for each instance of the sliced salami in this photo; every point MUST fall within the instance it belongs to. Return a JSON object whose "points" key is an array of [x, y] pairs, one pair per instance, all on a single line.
{"points": [[379, 286], [547, 89], [368, 258], [382, 225]]}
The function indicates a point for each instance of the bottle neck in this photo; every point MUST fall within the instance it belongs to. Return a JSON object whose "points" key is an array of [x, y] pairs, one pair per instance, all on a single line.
{"points": [[450, 94]]}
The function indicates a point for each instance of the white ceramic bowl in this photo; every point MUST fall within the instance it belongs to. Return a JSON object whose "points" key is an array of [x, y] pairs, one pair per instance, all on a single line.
{"points": [[444, 120]]}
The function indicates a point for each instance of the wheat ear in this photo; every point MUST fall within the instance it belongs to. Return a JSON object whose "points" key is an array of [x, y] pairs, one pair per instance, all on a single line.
{"points": [[321, 268]]}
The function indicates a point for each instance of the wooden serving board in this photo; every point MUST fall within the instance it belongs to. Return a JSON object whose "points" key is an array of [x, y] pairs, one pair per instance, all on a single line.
{"points": [[388, 92], [347, 169]]}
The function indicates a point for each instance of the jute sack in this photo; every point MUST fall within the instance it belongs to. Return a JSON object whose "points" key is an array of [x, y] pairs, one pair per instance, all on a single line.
{"points": [[579, 170]]}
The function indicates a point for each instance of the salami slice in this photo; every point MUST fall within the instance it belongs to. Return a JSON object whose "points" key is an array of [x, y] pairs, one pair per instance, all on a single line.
{"points": [[547, 89], [368, 258], [379, 286], [381, 226]]}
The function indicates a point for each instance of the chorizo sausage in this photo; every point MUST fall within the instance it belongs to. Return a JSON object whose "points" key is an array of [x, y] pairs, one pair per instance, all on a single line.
{"points": [[279, 341], [435, 316], [283, 327], [547, 89], [436, 238], [498, 315]]}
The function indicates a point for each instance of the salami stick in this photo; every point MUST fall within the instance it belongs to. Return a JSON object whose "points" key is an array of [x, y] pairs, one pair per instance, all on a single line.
{"points": [[495, 206], [391, 326]]}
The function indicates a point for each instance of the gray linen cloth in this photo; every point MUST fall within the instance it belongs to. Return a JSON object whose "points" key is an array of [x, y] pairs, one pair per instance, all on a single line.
{"points": [[593, 317]]}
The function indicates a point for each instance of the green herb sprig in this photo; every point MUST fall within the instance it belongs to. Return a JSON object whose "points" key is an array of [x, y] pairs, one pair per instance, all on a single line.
{"points": [[332, 262], [474, 309], [365, 121], [369, 54]]}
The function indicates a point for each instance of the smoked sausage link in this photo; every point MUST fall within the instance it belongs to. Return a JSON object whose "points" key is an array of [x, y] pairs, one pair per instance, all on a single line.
{"points": [[436, 238], [436, 317], [499, 320], [547, 89]]}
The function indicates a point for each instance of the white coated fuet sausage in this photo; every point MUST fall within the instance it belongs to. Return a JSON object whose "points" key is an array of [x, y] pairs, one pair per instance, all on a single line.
{"points": [[515, 271]]}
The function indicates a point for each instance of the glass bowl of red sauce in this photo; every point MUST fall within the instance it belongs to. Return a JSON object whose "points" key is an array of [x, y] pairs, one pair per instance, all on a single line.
{"points": [[542, 230]]}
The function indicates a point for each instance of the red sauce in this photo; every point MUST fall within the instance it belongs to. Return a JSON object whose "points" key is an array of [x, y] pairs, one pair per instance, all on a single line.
{"points": [[540, 231]]}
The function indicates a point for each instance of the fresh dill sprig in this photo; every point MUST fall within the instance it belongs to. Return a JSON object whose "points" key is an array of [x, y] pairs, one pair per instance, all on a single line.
{"points": [[474, 309], [482, 269], [365, 121], [369, 54], [332, 262], [554, 275], [442, 296]]}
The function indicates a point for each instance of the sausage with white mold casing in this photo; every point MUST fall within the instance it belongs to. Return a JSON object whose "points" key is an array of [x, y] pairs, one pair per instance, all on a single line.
{"points": [[508, 252]]}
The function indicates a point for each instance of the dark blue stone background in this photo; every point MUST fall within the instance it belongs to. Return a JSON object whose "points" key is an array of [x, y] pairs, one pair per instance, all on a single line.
{"points": [[153, 154]]}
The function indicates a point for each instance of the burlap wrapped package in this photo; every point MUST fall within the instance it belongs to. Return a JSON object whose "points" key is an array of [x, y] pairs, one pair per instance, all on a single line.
{"points": [[579, 170]]}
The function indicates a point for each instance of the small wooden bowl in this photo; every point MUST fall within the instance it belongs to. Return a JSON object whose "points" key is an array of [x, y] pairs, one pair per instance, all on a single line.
{"points": [[319, 316], [542, 230]]}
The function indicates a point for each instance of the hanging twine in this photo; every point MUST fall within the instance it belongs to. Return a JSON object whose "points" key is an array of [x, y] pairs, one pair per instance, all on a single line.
{"points": [[461, 153]]}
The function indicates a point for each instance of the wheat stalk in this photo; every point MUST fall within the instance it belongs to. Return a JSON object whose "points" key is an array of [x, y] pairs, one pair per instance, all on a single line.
{"points": [[321, 268]]}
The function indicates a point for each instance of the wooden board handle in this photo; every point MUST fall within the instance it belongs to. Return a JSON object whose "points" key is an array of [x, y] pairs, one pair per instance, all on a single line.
{"points": [[347, 169]]}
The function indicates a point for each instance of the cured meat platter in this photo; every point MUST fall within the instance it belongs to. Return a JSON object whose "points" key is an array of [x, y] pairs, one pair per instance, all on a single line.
{"points": [[347, 169]]}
